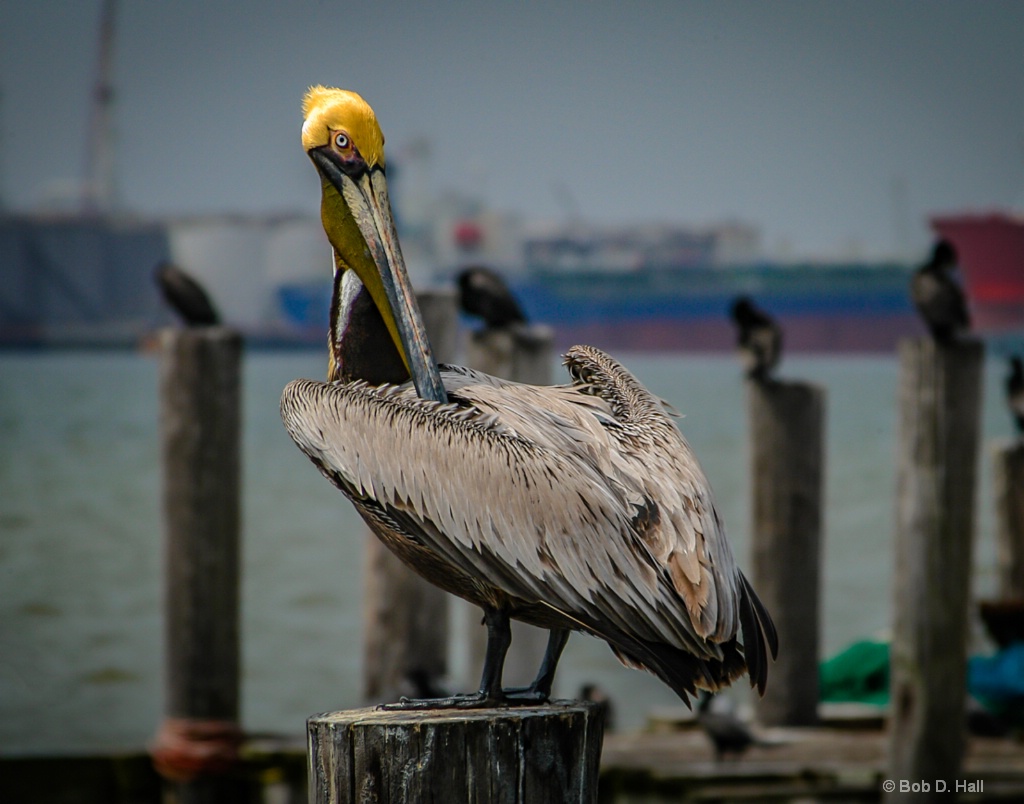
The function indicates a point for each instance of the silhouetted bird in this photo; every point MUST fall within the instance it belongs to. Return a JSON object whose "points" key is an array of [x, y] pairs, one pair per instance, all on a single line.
{"points": [[938, 296], [483, 293], [594, 693], [1015, 391], [983, 723], [421, 683], [727, 733], [759, 338], [186, 296]]}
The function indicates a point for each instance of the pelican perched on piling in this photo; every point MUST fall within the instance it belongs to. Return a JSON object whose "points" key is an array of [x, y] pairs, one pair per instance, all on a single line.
{"points": [[573, 507]]}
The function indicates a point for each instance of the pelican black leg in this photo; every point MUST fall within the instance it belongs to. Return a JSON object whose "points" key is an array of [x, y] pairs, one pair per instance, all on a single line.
{"points": [[539, 690], [499, 637]]}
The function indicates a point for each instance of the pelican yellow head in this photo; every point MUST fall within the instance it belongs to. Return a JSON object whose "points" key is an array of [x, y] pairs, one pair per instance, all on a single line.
{"points": [[341, 135], [328, 111]]}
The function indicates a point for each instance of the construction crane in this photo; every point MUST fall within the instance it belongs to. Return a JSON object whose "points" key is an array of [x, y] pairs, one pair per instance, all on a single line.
{"points": [[98, 188]]}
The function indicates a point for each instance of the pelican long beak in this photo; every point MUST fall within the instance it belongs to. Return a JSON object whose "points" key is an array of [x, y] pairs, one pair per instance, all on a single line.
{"points": [[356, 215]]}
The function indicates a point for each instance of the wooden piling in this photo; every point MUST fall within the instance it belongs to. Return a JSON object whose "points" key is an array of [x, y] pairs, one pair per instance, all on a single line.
{"points": [[200, 423], [787, 474], [405, 618], [939, 406], [1008, 487], [521, 354], [500, 756]]}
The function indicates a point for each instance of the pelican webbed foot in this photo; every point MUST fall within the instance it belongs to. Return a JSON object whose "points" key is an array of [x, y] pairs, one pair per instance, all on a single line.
{"points": [[512, 696], [499, 637], [471, 700], [490, 693], [539, 691], [526, 696]]}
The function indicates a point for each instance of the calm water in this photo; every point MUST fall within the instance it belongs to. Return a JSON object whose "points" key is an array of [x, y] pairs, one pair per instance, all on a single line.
{"points": [[80, 622]]}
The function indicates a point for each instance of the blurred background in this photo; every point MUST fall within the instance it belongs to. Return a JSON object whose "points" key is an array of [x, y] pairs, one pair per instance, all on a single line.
{"points": [[630, 168], [835, 129]]}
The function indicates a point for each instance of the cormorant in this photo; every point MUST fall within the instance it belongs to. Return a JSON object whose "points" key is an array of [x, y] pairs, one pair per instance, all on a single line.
{"points": [[938, 296], [186, 296], [484, 293], [728, 734], [759, 338], [1015, 391], [593, 693]]}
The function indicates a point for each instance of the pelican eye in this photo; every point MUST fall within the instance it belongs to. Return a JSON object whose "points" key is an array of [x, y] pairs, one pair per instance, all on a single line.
{"points": [[342, 141]]}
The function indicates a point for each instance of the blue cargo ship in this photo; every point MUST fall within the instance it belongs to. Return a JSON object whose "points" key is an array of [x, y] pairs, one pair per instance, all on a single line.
{"points": [[88, 281], [822, 307], [851, 307]]}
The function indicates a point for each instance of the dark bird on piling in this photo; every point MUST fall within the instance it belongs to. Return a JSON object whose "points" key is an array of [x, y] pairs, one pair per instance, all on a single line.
{"points": [[938, 296], [759, 338], [728, 734], [1015, 391], [423, 684], [595, 694], [484, 293], [186, 296], [574, 507]]}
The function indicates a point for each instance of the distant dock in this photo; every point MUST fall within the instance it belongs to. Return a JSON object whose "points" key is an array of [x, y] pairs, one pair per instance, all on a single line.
{"points": [[828, 763], [671, 761]]}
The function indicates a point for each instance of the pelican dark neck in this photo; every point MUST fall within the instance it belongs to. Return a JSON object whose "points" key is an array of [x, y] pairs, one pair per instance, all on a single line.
{"points": [[359, 339]]}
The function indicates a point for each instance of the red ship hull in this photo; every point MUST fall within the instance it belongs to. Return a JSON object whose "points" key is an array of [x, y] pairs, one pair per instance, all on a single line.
{"points": [[990, 247]]}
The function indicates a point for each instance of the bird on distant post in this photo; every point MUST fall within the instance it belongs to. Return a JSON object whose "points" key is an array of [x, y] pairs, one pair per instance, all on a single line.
{"points": [[594, 693], [578, 507], [1015, 392], [759, 339], [484, 293], [186, 296], [938, 296], [728, 734]]}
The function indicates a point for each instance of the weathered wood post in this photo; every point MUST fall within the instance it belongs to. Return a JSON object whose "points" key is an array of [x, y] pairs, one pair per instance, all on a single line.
{"points": [[522, 354], [200, 422], [405, 635], [500, 756], [1008, 487], [787, 422], [939, 405]]}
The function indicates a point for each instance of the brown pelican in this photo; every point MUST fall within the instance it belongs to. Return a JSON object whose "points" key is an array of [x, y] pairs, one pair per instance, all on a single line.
{"points": [[484, 293], [938, 296], [573, 507], [759, 338], [185, 296]]}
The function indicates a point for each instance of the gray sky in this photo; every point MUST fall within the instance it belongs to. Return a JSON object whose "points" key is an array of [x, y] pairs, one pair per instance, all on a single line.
{"points": [[802, 117]]}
